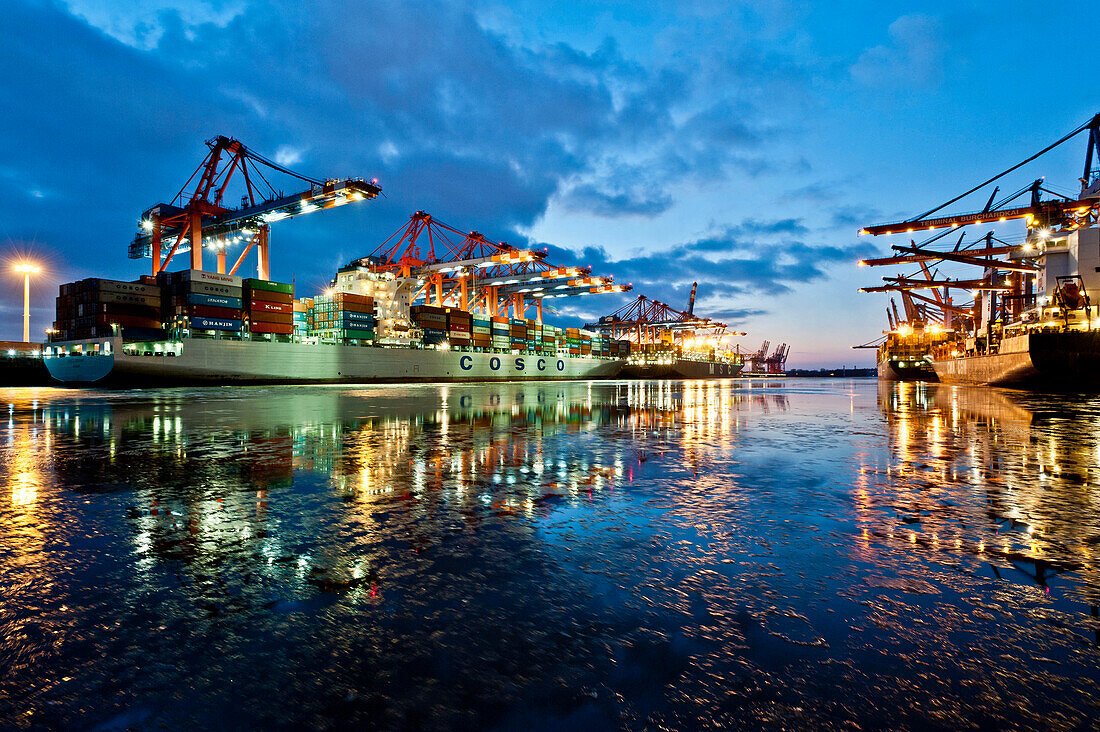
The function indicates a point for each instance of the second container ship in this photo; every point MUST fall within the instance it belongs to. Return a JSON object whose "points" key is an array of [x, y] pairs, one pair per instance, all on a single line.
{"points": [[1031, 321]]}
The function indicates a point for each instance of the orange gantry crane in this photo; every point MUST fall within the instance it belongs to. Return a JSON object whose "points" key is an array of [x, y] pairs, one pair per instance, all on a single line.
{"points": [[201, 218], [468, 271], [777, 362], [757, 360], [644, 321]]}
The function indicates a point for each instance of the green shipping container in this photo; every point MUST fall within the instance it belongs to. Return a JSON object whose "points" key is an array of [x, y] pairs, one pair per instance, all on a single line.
{"points": [[270, 286]]}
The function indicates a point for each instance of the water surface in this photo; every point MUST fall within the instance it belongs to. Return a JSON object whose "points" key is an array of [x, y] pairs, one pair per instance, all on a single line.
{"points": [[647, 555]]}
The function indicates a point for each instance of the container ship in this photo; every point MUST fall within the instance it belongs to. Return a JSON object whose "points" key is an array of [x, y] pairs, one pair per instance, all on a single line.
{"points": [[671, 344], [192, 327], [431, 303], [1028, 320], [904, 352]]}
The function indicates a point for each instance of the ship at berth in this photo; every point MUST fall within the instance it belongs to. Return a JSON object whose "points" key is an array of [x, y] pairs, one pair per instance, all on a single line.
{"points": [[667, 343], [1028, 315], [430, 303]]}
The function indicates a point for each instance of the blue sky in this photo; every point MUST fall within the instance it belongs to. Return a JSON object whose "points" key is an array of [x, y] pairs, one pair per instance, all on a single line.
{"points": [[737, 144]]}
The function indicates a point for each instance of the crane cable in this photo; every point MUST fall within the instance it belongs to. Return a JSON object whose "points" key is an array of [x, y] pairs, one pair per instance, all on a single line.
{"points": [[1042, 152]]}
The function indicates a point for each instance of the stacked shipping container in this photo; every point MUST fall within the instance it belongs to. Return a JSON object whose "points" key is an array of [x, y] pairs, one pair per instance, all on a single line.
{"points": [[89, 308], [202, 301], [343, 315], [433, 321], [270, 306]]}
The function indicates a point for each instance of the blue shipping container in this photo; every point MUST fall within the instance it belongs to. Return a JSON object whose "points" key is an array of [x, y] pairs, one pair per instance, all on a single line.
{"points": [[352, 317], [217, 301], [215, 323]]}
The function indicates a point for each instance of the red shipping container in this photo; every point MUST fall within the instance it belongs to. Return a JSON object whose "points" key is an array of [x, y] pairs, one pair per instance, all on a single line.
{"points": [[260, 316], [351, 297], [268, 306], [465, 327], [279, 328], [209, 311]]}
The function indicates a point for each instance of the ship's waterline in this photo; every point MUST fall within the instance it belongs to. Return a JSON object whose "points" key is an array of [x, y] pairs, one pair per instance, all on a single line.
{"points": [[196, 360]]}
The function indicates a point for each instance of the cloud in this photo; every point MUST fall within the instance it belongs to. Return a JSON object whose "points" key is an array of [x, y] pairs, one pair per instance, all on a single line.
{"points": [[138, 23], [288, 156], [914, 55], [475, 126], [754, 261]]}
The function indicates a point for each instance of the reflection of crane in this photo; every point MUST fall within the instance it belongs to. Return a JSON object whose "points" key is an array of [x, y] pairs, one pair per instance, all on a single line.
{"points": [[201, 219]]}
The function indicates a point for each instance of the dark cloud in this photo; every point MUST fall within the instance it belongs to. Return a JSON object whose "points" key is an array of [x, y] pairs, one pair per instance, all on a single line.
{"points": [[754, 261], [635, 201], [454, 118]]}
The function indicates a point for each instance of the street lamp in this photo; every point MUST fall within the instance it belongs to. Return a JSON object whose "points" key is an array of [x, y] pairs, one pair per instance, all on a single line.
{"points": [[27, 270]]}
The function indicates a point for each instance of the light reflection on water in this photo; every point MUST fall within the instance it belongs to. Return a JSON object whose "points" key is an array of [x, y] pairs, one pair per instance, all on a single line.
{"points": [[641, 554]]}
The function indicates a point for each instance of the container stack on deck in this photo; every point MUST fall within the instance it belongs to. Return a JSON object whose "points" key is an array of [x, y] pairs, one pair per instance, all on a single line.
{"points": [[204, 302], [481, 331], [432, 320], [90, 308], [459, 327], [301, 317], [270, 307], [343, 316], [499, 334]]}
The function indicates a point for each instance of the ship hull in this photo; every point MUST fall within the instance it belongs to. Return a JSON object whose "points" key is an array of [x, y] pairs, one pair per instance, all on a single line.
{"points": [[1063, 361], [893, 370], [682, 368], [215, 362], [23, 371]]}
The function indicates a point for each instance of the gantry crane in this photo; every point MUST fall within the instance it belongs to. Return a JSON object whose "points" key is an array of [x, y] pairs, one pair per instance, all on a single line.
{"points": [[1063, 211], [758, 360], [199, 217], [468, 271], [777, 362], [1006, 287], [644, 321]]}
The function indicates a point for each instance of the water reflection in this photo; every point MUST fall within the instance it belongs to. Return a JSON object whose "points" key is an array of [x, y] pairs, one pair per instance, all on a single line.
{"points": [[637, 554], [1002, 474]]}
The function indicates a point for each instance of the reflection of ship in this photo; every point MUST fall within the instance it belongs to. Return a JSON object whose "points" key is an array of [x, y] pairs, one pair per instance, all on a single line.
{"points": [[990, 473], [1032, 322]]}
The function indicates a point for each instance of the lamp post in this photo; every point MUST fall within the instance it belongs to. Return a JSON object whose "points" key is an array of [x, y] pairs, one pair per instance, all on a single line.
{"points": [[27, 270]]}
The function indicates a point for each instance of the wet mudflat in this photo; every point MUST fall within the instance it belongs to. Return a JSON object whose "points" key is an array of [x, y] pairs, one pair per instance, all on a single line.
{"points": [[643, 555]]}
